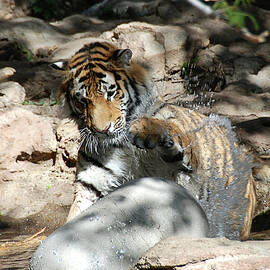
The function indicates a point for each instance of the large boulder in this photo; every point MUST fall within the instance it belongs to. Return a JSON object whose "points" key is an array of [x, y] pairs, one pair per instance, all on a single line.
{"points": [[32, 34], [118, 229], [11, 93], [33, 189]]}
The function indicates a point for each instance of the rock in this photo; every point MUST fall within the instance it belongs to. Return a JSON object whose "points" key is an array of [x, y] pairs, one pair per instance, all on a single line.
{"points": [[161, 47], [123, 9], [37, 79], [261, 79], [198, 35], [6, 73], [263, 51], [68, 137], [6, 9], [219, 32], [158, 43], [256, 132], [244, 66], [218, 253], [24, 133], [32, 34], [10, 52], [127, 9], [243, 48], [239, 100], [116, 231], [28, 175], [11, 9], [263, 193], [81, 24], [206, 57], [11, 93], [166, 10]]}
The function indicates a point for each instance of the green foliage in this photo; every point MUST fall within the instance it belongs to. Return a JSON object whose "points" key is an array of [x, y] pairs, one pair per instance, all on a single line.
{"points": [[30, 102], [186, 72], [234, 14], [41, 103], [45, 9], [193, 60], [26, 52], [244, 2], [54, 102]]}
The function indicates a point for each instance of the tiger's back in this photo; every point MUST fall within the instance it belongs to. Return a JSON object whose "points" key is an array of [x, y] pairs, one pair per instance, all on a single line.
{"points": [[221, 178]]}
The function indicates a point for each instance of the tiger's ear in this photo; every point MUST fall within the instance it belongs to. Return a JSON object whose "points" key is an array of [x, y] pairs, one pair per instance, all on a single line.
{"points": [[59, 65], [123, 56]]}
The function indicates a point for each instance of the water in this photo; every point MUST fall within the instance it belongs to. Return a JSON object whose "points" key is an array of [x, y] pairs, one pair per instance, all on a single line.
{"points": [[231, 198], [17, 249]]}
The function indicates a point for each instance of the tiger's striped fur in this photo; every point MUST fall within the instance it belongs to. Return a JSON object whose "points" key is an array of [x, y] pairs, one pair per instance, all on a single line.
{"points": [[127, 133]]}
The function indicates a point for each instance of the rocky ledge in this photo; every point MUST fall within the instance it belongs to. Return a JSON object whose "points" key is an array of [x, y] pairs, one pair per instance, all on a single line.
{"points": [[203, 254]]}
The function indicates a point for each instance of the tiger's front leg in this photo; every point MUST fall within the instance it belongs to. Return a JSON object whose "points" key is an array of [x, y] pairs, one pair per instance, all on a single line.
{"points": [[93, 181], [84, 197], [164, 136]]}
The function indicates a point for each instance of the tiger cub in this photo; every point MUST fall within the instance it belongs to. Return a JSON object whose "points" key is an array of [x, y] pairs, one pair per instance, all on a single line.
{"points": [[128, 133]]}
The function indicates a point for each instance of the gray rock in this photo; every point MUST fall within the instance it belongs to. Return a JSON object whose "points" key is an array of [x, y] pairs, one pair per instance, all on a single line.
{"points": [[261, 79], [264, 51], [10, 9], [219, 31], [123, 9], [6, 73], [79, 25], [29, 171], [244, 67], [11, 93], [32, 33], [116, 231], [219, 253], [241, 100]]}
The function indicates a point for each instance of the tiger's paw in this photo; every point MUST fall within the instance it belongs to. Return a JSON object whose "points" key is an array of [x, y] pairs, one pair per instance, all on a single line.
{"points": [[149, 133]]}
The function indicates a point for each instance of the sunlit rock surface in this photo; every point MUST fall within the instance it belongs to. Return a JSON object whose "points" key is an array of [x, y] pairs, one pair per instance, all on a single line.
{"points": [[116, 231], [205, 254]]}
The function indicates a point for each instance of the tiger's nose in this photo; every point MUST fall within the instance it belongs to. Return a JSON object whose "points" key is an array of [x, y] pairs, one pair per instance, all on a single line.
{"points": [[104, 130]]}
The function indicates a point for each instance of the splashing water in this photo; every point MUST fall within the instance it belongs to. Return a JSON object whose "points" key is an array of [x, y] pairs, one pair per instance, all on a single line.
{"points": [[223, 202]]}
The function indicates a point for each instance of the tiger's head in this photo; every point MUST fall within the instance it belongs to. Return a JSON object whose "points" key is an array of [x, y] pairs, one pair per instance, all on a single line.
{"points": [[106, 90]]}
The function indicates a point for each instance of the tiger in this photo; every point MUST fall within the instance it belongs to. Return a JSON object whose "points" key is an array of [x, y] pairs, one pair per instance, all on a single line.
{"points": [[128, 131]]}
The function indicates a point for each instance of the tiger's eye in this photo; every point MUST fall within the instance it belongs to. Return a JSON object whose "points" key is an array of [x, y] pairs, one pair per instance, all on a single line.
{"points": [[118, 92]]}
